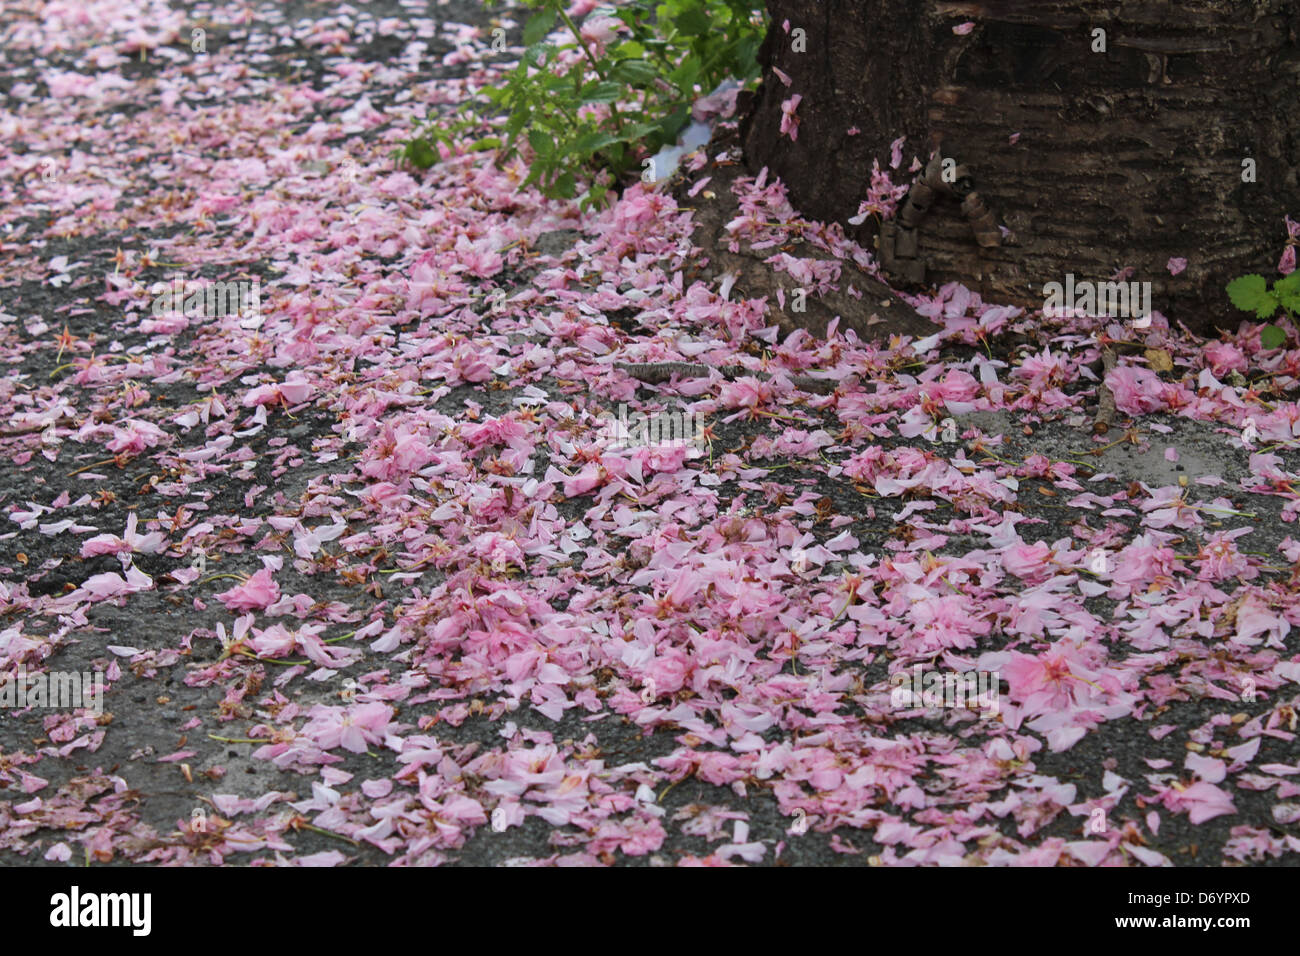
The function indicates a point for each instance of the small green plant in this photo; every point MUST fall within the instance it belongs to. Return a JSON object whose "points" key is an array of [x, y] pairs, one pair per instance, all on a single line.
{"points": [[1252, 294], [592, 102]]}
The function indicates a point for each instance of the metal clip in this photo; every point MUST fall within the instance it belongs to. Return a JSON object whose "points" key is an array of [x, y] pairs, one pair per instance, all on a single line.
{"points": [[982, 222]]}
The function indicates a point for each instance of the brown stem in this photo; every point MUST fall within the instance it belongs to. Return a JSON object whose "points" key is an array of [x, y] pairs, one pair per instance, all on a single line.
{"points": [[656, 373], [28, 429], [1105, 398]]}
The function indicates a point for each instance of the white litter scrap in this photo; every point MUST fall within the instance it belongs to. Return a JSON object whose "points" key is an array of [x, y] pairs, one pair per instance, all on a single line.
{"points": [[664, 163]]}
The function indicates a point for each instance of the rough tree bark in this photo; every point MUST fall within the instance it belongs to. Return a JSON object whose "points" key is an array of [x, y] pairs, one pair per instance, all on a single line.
{"points": [[1125, 158]]}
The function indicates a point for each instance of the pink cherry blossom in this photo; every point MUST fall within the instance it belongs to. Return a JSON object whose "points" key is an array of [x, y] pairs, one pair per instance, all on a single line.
{"points": [[258, 592], [789, 121]]}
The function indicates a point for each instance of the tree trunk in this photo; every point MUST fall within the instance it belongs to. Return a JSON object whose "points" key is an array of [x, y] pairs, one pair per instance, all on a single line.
{"points": [[1094, 162]]}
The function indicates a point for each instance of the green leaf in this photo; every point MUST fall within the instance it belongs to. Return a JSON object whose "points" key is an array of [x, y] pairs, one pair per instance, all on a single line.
{"points": [[673, 124], [420, 154], [638, 131], [742, 10], [592, 143], [684, 76], [634, 72], [627, 15], [747, 56], [515, 124], [1271, 337], [555, 86], [605, 92], [486, 143], [541, 142], [564, 186], [593, 197], [538, 56], [1287, 286], [1291, 302], [538, 26], [1249, 293], [1267, 307], [693, 22]]}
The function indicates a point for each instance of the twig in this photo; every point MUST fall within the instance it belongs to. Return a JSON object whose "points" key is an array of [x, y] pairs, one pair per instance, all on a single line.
{"points": [[1105, 397], [217, 577], [93, 464], [36, 427], [303, 825], [656, 373], [660, 798]]}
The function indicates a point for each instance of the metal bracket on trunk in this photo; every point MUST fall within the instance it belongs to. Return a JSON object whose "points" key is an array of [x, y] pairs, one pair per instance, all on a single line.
{"points": [[898, 243]]}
